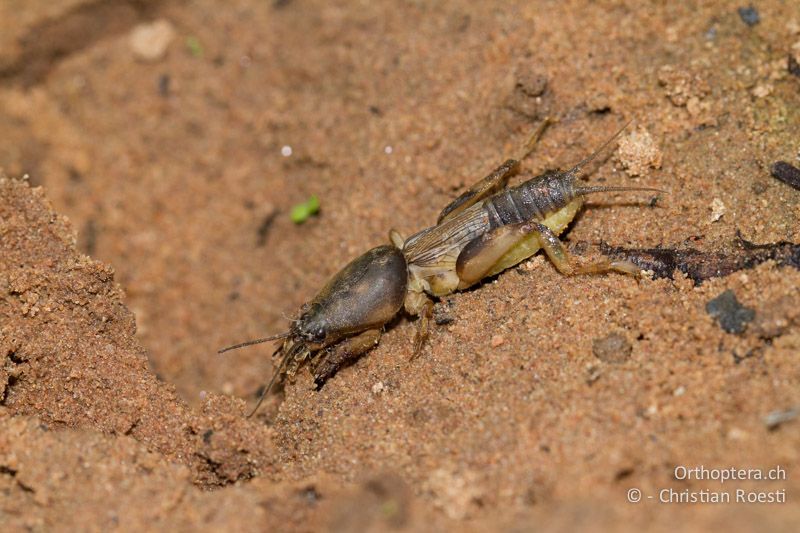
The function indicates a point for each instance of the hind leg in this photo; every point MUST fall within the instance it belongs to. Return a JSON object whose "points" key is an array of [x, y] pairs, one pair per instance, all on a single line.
{"points": [[480, 257], [557, 253]]}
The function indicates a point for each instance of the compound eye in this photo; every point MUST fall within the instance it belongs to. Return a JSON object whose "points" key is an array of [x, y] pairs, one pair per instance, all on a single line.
{"points": [[314, 333]]}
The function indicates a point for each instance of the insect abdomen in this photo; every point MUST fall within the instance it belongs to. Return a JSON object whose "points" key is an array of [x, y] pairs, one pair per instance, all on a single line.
{"points": [[534, 199]]}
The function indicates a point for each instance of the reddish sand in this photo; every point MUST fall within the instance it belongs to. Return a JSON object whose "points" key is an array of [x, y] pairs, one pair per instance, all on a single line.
{"points": [[539, 405]]}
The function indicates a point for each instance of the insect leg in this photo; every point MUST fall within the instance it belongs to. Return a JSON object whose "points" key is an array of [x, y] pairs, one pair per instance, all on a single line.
{"points": [[417, 303], [494, 181], [482, 189], [479, 257], [423, 327], [557, 253], [349, 349]]}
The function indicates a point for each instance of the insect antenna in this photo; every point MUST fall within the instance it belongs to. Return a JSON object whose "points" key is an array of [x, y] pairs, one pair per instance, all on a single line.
{"points": [[574, 171], [589, 189], [256, 341], [291, 354]]}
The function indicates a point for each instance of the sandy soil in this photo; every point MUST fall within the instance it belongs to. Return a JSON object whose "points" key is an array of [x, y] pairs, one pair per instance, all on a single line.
{"points": [[153, 228]]}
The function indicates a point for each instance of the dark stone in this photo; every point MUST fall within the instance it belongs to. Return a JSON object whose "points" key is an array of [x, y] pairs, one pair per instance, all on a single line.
{"points": [[793, 66], [731, 315], [442, 313], [163, 85], [749, 15]]}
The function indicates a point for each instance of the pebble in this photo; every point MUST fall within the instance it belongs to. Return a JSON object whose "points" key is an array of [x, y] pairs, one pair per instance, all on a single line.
{"points": [[442, 314], [529, 83], [528, 92], [749, 15], [717, 209], [497, 340], [149, 41], [737, 434], [775, 419], [614, 348], [638, 153], [793, 66], [731, 315], [762, 90], [794, 60]]}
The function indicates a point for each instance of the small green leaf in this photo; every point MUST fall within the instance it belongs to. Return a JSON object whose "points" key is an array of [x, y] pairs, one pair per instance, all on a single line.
{"points": [[194, 46], [313, 204], [301, 212]]}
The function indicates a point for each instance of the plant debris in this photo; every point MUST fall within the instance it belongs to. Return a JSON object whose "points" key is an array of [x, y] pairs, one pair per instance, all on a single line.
{"points": [[787, 173], [194, 46], [699, 265]]}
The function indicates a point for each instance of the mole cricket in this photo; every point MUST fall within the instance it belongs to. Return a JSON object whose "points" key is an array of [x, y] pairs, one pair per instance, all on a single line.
{"points": [[489, 228]]}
